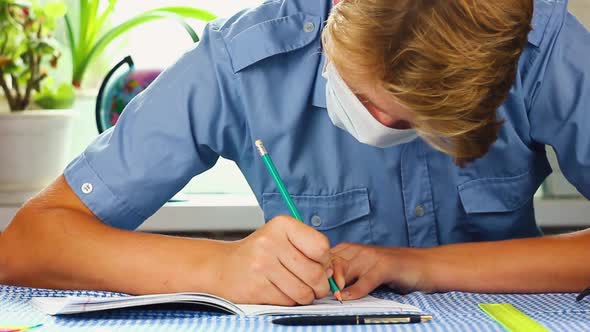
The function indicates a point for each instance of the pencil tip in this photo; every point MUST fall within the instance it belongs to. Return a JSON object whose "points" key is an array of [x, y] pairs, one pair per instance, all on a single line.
{"points": [[338, 296]]}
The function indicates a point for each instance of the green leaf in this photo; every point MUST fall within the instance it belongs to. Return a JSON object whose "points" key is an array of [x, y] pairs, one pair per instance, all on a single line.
{"points": [[83, 25], [61, 98], [180, 20], [186, 12], [71, 37], [103, 17], [91, 20], [47, 85], [14, 66], [44, 45], [55, 9]]}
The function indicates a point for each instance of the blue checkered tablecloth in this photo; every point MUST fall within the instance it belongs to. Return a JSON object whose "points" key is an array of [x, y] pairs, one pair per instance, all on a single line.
{"points": [[452, 312]]}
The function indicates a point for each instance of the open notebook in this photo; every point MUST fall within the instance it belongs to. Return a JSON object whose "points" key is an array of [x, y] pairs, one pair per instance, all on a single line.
{"points": [[325, 306]]}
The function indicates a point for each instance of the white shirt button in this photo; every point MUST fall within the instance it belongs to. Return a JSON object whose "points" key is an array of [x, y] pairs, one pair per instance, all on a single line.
{"points": [[420, 211], [87, 188], [316, 221], [308, 27]]}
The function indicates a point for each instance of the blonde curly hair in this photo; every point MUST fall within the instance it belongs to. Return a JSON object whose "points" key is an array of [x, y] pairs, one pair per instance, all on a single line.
{"points": [[450, 63]]}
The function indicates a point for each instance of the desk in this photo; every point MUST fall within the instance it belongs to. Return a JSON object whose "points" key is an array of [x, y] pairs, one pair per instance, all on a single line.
{"points": [[452, 312]]}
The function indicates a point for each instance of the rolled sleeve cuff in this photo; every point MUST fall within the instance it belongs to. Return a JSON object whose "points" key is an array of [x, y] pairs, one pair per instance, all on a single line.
{"points": [[97, 196]]}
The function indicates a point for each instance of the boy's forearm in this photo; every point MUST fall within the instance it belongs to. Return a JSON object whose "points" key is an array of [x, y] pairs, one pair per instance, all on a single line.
{"points": [[550, 264], [62, 248]]}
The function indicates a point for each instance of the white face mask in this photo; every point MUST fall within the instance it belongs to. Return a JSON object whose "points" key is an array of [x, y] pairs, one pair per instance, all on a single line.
{"points": [[348, 113]]}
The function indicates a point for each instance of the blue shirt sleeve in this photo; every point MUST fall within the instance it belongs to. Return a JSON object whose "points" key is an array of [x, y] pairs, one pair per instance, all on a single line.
{"points": [[560, 110], [174, 130]]}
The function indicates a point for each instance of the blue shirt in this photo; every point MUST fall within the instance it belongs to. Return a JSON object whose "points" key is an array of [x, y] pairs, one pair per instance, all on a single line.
{"points": [[258, 75]]}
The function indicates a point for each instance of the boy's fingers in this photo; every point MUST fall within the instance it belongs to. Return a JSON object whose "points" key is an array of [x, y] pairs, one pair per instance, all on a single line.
{"points": [[291, 286], [340, 247], [347, 251], [310, 242], [277, 297], [307, 270], [339, 266], [362, 287]]}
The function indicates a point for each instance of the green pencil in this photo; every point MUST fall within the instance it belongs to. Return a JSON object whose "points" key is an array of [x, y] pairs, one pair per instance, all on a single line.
{"points": [[274, 173]]}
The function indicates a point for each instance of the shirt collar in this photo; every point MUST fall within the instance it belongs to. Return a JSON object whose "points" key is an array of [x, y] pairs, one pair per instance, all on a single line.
{"points": [[318, 98]]}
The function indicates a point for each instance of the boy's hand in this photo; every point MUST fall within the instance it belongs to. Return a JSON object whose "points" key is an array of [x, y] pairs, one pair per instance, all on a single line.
{"points": [[363, 268], [284, 263]]}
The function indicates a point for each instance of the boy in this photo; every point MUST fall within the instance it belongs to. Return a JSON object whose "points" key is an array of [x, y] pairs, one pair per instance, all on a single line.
{"points": [[446, 106]]}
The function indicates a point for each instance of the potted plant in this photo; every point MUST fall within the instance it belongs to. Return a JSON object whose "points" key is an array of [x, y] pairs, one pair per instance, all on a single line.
{"points": [[32, 140]]}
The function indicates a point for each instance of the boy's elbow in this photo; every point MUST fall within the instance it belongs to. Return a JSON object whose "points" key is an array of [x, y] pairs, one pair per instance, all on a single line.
{"points": [[4, 268], [17, 242], [8, 266], [28, 245]]}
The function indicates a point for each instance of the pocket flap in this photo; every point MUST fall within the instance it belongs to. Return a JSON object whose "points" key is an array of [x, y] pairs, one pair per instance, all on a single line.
{"points": [[323, 212], [490, 195], [263, 40]]}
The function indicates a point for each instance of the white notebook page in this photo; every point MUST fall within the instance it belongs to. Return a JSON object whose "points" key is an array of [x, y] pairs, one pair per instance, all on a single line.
{"points": [[330, 305]]}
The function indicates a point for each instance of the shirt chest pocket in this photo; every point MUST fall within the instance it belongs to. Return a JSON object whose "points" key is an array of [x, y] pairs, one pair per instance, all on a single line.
{"points": [[500, 208], [343, 217]]}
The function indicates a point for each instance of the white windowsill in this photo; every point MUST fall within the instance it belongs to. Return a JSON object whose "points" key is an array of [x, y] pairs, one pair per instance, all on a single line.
{"points": [[229, 212]]}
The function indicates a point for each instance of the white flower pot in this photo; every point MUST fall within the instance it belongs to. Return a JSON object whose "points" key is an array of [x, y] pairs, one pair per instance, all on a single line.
{"points": [[84, 128], [33, 151]]}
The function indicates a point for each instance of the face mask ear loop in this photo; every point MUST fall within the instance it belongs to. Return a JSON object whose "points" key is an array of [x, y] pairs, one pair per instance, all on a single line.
{"points": [[325, 69], [336, 80]]}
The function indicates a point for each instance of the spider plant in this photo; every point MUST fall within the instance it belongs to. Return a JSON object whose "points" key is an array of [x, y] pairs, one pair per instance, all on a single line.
{"points": [[89, 37]]}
